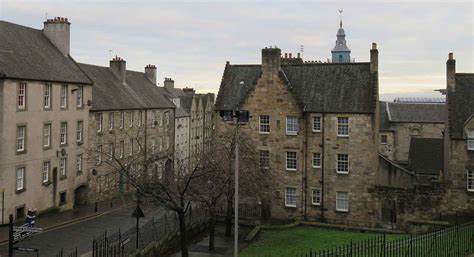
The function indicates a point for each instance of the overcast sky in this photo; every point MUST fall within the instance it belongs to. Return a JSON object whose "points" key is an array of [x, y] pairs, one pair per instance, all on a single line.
{"points": [[190, 41]]}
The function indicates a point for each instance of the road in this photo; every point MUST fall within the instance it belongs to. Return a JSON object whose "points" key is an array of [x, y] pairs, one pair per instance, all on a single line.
{"points": [[81, 234]]}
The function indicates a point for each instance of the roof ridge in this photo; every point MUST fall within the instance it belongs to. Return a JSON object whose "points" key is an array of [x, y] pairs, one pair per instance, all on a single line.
{"points": [[22, 26]]}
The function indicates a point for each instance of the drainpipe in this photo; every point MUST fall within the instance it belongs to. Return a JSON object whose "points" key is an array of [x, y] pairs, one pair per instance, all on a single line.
{"points": [[322, 162], [305, 176]]}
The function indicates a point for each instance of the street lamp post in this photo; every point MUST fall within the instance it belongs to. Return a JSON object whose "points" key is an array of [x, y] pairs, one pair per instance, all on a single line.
{"points": [[241, 116]]}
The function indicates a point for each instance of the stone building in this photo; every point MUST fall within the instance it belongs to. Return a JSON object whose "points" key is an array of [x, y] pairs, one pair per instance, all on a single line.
{"points": [[316, 128], [44, 102], [459, 139], [182, 122], [130, 120], [403, 120]]}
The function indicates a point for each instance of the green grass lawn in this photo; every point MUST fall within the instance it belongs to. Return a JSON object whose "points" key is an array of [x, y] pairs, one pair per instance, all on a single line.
{"points": [[298, 240]]}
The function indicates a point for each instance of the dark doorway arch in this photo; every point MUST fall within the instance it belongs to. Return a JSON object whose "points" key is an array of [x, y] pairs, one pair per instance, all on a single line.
{"points": [[80, 196]]}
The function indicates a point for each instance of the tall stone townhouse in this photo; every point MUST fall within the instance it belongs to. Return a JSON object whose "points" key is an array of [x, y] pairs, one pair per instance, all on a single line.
{"points": [[45, 100], [194, 121], [316, 127], [182, 122], [459, 139], [405, 119], [130, 120]]}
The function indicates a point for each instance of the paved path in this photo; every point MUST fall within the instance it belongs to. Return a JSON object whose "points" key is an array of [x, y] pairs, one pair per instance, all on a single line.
{"points": [[80, 234]]}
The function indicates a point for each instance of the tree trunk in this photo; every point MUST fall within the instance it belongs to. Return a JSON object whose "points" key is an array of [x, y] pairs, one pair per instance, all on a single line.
{"points": [[212, 227], [182, 233], [228, 217]]}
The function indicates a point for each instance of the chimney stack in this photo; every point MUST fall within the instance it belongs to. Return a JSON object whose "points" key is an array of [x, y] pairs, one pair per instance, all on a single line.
{"points": [[150, 73], [374, 58], [451, 73], [119, 68], [189, 91], [169, 84], [57, 30], [271, 62]]}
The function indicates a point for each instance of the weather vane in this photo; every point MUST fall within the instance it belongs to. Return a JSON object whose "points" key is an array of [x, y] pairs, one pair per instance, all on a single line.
{"points": [[340, 16]]}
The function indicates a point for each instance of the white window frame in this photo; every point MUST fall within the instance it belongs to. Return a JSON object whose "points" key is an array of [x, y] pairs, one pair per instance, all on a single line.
{"points": [[470, 180], [140, 118], [342, 161], [339, 199], [386, 139], [99, 121], [63, 96], [265, 124], [470, 139], [20, 178], [122, 149], [264, 158], [131, 146], [316, 196], [111, 120], [167, 118], [63, 133], [111, 151], [21, 96], [79, 166], [79, 131], [122, 119], [291, 196], [45, 171], [295, 160], [316, 156], [47, 134], [131, 119], [292, 125], [80, 96], [342, 126], [48, 89], [20, 138], [63, 167], [99, 154], [317, 120]]}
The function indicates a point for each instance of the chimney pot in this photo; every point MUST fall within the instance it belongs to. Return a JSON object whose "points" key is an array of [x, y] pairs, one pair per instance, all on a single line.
{"points": [[450, 56], [374, 46], [290, 55], [299, 55], [119, 67], [286, 55]]}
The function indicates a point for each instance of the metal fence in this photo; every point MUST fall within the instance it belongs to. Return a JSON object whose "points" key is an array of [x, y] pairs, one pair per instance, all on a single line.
{"points": [[456, 241], [61, 253], [122, 243]]}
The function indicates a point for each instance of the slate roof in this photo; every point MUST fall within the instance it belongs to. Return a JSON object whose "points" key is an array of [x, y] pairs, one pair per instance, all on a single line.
{"points": [[181, 112], [109, 93], [416, 112], [26, 53], [420, 100], [461, 104], [335, 88], [384, 124], [186, 102], [426, 155], [175, 92]]}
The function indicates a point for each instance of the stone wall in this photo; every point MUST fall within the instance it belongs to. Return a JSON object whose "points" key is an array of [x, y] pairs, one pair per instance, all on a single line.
{"points": [[104, 179], [387, 149], [405, 131]]}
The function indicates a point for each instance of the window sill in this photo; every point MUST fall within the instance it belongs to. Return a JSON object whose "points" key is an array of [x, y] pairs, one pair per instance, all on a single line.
{"points": [[342, 172], [291, 134], [20, 191], [343, 136], [79, 143], [471, 191], [263, 133], [64, 108], [47, 183], [316, 167], [316, 131], [63, 145], [290, 206], [291, 169], [46, 148], [316, 204], [80, 107], [21, 152], [62, 177], [342, 211]]}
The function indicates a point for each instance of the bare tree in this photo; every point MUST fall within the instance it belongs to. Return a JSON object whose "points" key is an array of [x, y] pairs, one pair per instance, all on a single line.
{"points": [[152, 174]]}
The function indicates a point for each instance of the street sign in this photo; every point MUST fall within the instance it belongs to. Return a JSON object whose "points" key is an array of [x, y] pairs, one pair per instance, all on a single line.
{"points": [[25, 249], [138, 213], [27, 229]]}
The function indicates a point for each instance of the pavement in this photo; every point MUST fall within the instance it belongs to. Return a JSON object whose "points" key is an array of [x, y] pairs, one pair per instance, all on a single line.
{"points": [[76, 228], [224, 246]]}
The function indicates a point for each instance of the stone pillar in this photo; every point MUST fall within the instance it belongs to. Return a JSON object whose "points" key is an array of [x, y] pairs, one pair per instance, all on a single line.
{"points": [[374, 58], [150, 73], [119, 68], [271, 62], [57, 30]]}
